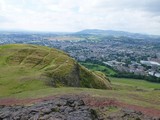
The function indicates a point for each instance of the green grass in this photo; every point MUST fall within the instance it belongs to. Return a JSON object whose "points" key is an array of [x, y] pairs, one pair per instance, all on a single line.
{"points": [[135, 83], [96, 67], [124, 92], [14, 79], [149, 99]]}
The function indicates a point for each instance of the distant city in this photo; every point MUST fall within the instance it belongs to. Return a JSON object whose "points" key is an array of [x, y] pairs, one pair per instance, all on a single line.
{"points": [[124, 52]]}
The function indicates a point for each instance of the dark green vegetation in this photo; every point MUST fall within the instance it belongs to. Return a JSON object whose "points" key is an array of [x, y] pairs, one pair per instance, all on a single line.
{"points": [[31, 67], [138, 77]]}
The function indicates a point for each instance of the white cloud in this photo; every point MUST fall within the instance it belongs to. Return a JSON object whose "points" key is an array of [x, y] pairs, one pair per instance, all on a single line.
{"points": [[73, 15]]}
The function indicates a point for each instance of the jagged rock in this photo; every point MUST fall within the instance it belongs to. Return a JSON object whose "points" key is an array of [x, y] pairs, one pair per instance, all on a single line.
{"points": [[68, 108], [46, 111], [5, 114], [56, 109]]}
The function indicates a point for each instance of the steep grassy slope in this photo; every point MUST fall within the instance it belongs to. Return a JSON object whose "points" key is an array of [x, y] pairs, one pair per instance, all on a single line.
{"points": [[31, 67]]}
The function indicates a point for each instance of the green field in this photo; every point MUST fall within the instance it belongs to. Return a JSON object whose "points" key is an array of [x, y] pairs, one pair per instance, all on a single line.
{"points": [[97, 67], [136, 83]]}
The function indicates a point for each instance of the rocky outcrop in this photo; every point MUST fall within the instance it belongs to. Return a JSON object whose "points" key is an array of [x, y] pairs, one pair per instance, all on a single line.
{"points": [[63, 108], [114, 113], [69, 108]]}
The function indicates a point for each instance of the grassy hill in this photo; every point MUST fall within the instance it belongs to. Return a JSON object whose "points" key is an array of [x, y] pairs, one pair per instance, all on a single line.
{"points": [[29, 72], [131, 92], [31, 67]]}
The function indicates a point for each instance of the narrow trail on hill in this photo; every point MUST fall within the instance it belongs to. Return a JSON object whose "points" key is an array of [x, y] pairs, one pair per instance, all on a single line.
{"points": [[42, 59]]}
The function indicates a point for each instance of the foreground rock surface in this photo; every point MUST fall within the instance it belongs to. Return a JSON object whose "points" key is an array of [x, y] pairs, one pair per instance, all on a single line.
{"points": [[58, 109], [68, 108]]}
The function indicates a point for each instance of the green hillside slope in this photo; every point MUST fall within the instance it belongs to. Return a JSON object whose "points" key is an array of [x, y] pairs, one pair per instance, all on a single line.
{"points": [[30, 67]]}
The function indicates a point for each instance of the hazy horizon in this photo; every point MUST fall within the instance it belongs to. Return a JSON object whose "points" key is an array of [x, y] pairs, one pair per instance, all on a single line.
{"points": [[74, 15]]}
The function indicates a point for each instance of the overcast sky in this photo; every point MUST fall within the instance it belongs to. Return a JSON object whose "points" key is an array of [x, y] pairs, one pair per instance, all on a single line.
{"points": [[141, 16]]}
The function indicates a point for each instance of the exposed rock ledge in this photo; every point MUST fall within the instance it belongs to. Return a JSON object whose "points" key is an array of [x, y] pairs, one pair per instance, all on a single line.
{"points": [[67, 108]]}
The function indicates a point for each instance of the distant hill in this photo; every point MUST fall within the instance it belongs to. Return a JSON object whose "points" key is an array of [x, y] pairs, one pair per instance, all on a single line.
{"points": [[27, 67], [114, 33]]}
